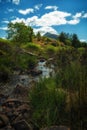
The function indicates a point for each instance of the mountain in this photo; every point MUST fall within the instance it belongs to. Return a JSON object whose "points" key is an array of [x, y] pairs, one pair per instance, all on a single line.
{"points": [[50, 35]]}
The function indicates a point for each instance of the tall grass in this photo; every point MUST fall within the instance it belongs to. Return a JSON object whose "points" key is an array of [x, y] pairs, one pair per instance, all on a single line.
{"points": [[61, 100]]}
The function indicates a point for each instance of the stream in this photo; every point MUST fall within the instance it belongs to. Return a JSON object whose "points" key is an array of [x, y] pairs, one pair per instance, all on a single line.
{"points": [[25, 79]]}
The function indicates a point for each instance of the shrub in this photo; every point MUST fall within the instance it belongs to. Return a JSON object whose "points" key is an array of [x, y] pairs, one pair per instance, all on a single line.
{"points": [[50, 50], [48, 103], [31, 46]]}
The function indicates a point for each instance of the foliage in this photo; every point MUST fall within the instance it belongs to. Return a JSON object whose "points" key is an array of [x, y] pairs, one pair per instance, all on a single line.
{"points": [[65, 56], [32, 47], [75, 41], [19, 32], [48, 103], [61, 100], [50, 50], [38, 36]]}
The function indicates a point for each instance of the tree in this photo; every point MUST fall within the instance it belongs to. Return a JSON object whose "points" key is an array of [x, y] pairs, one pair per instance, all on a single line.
{"points": [[38, 36], [75, 41], [65, 38], [19, 32], [62, 37]]}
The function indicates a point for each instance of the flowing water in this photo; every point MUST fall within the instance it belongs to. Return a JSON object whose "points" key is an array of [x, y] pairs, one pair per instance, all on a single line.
{"points": [[25, 79]]}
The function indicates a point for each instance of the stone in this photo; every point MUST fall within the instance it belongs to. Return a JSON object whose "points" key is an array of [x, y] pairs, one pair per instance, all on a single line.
{"points": [[36, 72], [3, 76], [22, 125], [3, 120]]}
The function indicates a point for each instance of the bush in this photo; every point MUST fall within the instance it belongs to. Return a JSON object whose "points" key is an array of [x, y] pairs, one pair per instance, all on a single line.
{"points": [[25, 61], [31, 46], [50, 50], [48, 103]]}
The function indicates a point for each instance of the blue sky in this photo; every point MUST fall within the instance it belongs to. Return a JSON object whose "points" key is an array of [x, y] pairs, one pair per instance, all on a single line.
{"points": [[52, 16]]}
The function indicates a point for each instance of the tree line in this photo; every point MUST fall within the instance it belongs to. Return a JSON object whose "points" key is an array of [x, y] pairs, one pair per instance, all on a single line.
{"points": [[19, 32]]}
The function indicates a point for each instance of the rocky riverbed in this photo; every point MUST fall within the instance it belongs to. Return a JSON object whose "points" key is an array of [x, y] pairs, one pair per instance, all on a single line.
{"points": [[14, 102], [15, 109]]}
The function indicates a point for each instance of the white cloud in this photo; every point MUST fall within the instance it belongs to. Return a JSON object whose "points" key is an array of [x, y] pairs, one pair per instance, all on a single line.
{"points": [[29, 21], [49, 19], [44, 30], [74, 21], [18, 20], [85, 15], [3, 28], [77, 15], [32, 21], [37, 7], [82, 40], [46, 21], [16, 2], [53, 18], [26, 11], [51, 7]]}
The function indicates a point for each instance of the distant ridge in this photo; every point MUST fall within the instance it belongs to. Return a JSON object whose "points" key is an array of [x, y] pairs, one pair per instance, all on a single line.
{"points": [[50, 35]]}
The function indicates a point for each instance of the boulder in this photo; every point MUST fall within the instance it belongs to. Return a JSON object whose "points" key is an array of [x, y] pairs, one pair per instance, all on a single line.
{"points": [[36, 72], [4, 76], [3, 120], [22, 125], [21, 91]]}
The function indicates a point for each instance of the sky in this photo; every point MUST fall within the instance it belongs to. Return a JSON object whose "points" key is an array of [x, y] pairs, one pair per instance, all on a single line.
{"points": [[54, 16]]}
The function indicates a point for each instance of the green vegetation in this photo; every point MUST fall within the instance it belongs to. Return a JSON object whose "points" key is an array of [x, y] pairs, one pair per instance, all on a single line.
{"points": [[31, 47], [61, 100], [19, 32], [58, 100]]}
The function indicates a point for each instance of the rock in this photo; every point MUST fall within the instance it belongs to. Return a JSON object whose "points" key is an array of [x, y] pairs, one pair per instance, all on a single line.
{"points": [[36, 72], [42, 60], [23, 108], [3, 98], [22, 125], [12, 103], [3, 120], [56, 128], [3, 76], [20, 91]]}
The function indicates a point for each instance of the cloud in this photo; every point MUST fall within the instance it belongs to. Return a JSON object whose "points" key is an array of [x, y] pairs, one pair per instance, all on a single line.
{"points": [[82, 40], [16, 1], [85, 15], [46, 22], [29, 21], [18, 20], [44, 30], [76, 18], [53, 18], [37, 7], [49, 19], [26, 11], [51, 7], [3, 28], [74, 21], [77, 15]]}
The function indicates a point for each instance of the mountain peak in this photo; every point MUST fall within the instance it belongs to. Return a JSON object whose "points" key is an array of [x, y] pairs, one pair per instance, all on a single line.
{"points": [[51, 35]]}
